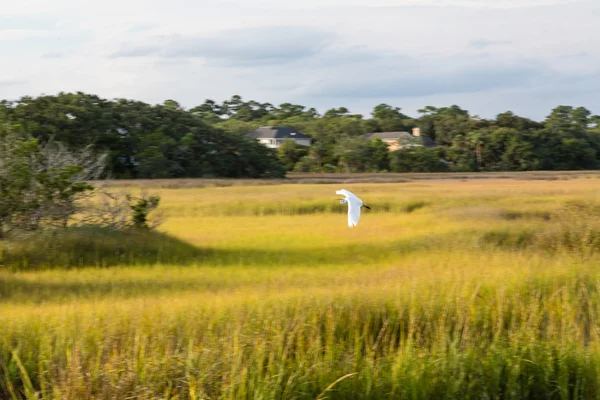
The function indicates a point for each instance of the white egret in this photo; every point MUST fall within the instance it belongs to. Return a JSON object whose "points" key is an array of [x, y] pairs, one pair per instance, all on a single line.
{"points": [[354, 206]]}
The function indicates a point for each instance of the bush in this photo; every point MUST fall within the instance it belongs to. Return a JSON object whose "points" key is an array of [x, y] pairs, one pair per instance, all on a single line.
{"points": [[40, 184], [43, 186]]}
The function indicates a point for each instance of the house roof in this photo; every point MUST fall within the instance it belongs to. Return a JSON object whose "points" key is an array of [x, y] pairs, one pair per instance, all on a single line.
{"points": [[426, 141], [388, 135], [277, 132]]}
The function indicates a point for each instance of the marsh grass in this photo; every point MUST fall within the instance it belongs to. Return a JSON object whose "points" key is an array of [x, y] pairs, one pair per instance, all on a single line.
{"points": [[95, 246], [455, 290]]}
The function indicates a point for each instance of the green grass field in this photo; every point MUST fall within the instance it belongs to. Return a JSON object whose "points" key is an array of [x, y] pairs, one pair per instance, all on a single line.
{"points": [[482, 289]]}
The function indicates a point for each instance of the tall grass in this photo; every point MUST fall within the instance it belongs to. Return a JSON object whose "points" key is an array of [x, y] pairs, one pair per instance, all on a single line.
{"points": [[485, 290], [95, 246]]}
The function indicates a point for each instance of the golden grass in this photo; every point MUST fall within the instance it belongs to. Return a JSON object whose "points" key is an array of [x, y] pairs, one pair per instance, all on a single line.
{"points": [[447, 289]]}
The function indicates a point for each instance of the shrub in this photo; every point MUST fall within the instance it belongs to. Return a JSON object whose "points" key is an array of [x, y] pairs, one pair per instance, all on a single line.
{"points": [[40, 185]]}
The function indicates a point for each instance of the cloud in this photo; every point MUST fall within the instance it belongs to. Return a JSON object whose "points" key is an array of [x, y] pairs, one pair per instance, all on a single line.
{"points": [[22, 34], [538, 53], [144, 27], [483, 43], [510, 3], [52, 55], [484, 4], [470, 80], [239, 47], [11, 82], [580, 54], [364, 74], [30, 22], [136, 51]]}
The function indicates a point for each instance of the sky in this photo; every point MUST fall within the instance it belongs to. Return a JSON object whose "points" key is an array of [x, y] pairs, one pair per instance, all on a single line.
{"points": [[487, 56]]}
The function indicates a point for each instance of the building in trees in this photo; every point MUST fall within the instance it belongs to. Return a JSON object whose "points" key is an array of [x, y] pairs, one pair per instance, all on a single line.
{"points": [[275, 136], [401, 139]]}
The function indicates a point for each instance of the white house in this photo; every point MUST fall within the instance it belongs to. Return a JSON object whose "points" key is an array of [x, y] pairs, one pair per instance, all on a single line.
{"points": [[274, 136]]}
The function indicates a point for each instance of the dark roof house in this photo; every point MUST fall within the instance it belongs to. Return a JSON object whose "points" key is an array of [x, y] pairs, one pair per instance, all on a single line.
{"points": [[274, 136], [277, 132]]}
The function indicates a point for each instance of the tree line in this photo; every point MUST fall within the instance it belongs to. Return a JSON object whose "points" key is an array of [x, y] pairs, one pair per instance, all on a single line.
{"points": [[168, 141]]}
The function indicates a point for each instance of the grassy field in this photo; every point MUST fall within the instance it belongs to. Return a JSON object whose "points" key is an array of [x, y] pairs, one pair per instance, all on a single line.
{"points": [[486, 289]]}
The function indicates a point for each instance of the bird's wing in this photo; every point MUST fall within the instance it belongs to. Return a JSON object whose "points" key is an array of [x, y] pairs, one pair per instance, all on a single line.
{"points": [[348, 194], [354, 205]]}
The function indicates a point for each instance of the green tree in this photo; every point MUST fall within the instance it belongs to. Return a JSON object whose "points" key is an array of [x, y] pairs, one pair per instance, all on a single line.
{"points": [[236, 126], [209, 111], [41, 184], [379, 155], [153, 164], [389, 119], [17, 182], [166, 140], [306, 164], [172, 105], [232, 106], [287, 110], [509, 120], [519, 155], [575, 153], [566, 119], [476, 141], [318, 152], [461, 154], [62, 178], [290, 152], [443, 124], [353, 154], [417, 159], [336, 112]]}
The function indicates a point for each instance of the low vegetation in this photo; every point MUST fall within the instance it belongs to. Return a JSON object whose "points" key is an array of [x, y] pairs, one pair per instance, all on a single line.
{"points": [[95, 246], [446, 289]]}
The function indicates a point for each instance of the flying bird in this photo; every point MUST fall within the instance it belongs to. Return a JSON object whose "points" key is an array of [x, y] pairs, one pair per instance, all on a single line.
{"points": [[354, 206]]}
